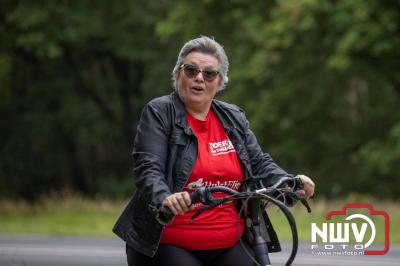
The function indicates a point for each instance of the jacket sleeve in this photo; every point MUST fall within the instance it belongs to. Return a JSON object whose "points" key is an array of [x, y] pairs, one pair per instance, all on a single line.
{"points": [[262, 164], [150, 155]]}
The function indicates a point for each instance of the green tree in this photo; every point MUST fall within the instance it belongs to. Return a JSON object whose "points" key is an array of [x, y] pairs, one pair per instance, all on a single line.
{"points": [[74, 77]]}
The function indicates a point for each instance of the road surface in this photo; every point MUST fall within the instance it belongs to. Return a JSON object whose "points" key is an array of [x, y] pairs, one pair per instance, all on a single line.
{"points": [[83, 251]]}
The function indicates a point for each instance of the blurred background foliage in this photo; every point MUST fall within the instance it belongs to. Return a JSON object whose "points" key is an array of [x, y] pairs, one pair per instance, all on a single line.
{"points": [[319, 81]]}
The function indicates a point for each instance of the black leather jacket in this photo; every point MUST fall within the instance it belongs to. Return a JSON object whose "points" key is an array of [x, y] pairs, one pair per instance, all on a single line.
{"points": [[165, 151]]}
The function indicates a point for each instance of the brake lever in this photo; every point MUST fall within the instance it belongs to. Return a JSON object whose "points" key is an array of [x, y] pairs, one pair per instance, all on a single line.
{"points": [[305, 203], [204, 196], [297, 196], [212, 203], [199, 212]]}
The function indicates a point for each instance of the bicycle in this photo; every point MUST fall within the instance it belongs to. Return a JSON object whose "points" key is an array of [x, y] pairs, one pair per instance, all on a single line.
{"points": [[255, 198]]}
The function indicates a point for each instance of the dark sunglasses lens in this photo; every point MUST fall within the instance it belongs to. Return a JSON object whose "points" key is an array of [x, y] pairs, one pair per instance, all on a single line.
{"points": [[209, 75], [191, 71]]}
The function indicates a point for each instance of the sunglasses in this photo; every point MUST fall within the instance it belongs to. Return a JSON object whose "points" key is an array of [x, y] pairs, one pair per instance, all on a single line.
{"points": [[192, 71]]}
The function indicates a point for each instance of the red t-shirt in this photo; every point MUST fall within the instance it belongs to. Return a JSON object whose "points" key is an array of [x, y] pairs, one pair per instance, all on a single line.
{"points": [[217, 164]]}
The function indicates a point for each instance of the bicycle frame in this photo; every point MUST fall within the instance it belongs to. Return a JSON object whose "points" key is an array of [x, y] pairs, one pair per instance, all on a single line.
{"points": [[259, 244]]}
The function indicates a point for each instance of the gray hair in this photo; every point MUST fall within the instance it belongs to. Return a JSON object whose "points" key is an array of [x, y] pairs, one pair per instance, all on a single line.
{"points": [[204, 45]]}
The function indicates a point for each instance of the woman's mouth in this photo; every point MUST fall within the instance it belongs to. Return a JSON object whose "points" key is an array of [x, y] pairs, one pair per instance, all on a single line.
{"points": [[197, 88]]}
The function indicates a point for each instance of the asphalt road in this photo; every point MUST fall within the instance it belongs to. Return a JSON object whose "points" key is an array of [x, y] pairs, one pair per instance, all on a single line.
{"points": [[78, 251]]}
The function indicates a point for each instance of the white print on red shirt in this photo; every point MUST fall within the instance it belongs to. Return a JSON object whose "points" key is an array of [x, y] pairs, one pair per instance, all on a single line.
{"points": [[196, 184], [233, 184], [221, 147]]}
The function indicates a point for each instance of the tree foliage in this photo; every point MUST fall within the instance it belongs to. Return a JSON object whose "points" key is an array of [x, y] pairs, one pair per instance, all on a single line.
{"points": [[318, 79]]}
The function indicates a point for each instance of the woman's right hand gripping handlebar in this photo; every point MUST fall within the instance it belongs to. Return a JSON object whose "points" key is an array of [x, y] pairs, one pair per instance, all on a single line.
{"points": [[178, 203]]}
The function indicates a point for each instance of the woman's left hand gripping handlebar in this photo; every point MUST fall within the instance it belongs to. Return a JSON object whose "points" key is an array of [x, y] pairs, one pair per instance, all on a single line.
{"points": [[308, 187]]}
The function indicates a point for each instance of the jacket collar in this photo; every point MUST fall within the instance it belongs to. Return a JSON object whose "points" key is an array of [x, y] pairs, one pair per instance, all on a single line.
{"points": [[180, 114]]}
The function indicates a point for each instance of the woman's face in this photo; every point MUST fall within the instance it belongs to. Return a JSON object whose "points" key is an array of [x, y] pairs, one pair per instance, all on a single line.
{"points": [[198, 91]]}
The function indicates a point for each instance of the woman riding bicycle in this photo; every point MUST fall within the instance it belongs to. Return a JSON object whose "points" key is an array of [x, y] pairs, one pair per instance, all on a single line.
{"points": [[184, 141]]}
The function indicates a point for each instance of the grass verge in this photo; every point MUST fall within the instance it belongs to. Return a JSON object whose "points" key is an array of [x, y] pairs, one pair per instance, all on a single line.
{"points": [[72, 216]]}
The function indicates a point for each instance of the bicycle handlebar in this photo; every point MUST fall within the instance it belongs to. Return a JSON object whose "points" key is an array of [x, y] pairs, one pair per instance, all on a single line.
{"points": [[204, 195]]}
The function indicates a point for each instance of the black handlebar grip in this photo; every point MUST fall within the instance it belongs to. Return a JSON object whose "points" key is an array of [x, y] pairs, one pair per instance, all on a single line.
{"points": [[165, 215]]}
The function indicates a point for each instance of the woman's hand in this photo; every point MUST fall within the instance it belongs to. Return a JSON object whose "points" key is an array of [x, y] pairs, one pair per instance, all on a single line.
{"points": [[308, 186], [179, 203]]}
